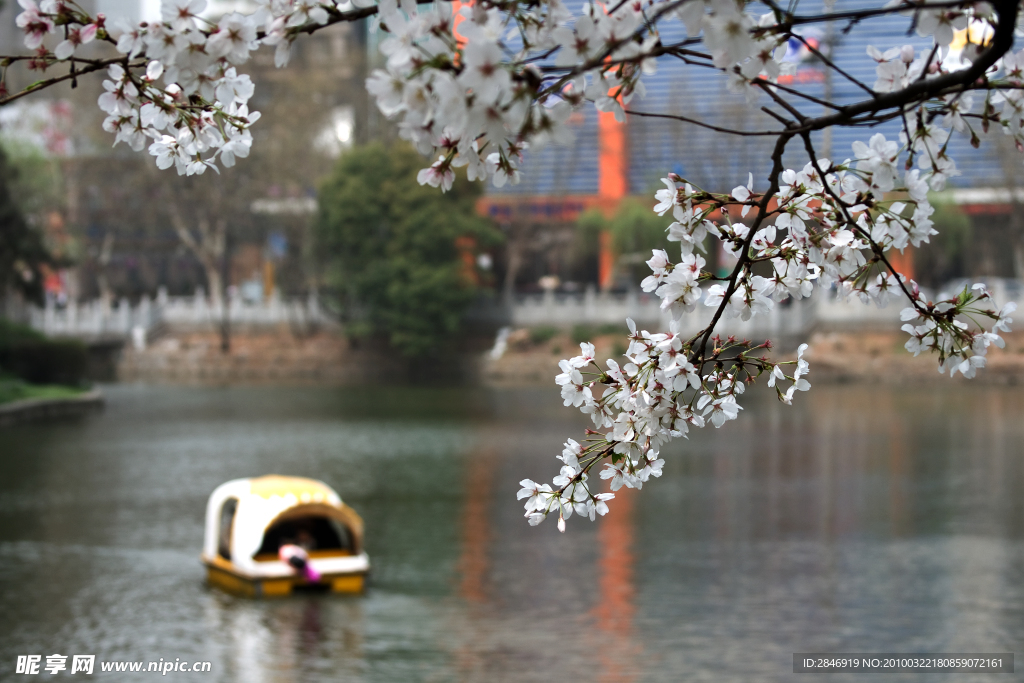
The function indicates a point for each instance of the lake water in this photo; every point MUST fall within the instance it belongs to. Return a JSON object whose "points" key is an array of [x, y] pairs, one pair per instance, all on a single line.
{"points": [[859, 520]]}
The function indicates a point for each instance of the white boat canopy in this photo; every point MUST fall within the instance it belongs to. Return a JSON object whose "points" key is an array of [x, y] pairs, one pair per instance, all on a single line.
{"points": [[246, 520]]}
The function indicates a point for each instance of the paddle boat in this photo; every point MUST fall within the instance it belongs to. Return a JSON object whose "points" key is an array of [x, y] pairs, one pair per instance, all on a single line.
{"points": [[271, 535]]}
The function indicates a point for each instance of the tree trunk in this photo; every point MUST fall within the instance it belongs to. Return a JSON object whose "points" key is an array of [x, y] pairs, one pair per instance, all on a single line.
{"points": [[515, 260], [103, 260], [208, 248]]}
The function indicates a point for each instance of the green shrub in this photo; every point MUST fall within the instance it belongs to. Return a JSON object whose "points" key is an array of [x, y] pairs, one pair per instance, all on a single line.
{"points": [[539, 335], [28, 355], [23, 250], [582, 333], [16, 390], [12, 333]]}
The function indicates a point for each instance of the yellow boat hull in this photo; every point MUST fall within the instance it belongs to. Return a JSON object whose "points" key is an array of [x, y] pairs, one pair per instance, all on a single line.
{"points": [[232, 582]]}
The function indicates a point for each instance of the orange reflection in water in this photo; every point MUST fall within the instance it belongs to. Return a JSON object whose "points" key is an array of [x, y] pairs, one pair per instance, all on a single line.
{"points": [[614, 613], [473, 562], [899, 474], [474, 567]]}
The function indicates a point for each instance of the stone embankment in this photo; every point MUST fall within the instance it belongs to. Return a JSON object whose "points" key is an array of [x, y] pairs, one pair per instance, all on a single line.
{"points": [[329, 358], [267, 357], [31, 409], [881, 357], [834, 357]]}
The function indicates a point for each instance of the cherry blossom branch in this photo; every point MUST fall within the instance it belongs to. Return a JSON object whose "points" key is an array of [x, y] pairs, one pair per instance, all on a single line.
{"points": [[793, 21], [743, 263], [91, 65], [703, 124], [919, 91], [832, 65], [875, 247], [845, 196]]}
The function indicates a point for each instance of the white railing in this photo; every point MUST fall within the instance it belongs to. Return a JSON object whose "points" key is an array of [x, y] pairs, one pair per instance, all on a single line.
{"points": [[99, 319], [796, 317], [195, 313], [593, 308], [93, 319]]}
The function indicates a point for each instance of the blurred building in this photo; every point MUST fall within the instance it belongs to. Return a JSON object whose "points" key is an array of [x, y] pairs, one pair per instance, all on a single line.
{"points": [[610, 161]]}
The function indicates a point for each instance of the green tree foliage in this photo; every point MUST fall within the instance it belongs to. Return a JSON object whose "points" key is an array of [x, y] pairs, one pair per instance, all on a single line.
{"points": [[635, 231], [36, 181], [29, 356], [389, 245], [946, 255], [22, 250]]}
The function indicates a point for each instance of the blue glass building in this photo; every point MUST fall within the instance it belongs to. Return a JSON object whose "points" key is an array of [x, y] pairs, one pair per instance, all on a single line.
{"points": [[719, 161]]}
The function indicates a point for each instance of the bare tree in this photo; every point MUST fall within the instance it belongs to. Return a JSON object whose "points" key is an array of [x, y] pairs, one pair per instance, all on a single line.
{"points": [[205, 238]]}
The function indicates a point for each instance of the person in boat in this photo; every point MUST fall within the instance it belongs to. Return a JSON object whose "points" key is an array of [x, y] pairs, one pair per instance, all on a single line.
{"points": [[294, 551], [304, 539]]}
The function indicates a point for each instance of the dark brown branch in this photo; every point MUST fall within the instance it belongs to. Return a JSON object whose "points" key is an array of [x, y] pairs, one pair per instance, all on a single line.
{"points": [[336, 17], [702, 124], [828, 62], [778, 117], [95, 65], [875, 247], [919, 91], [797, 93], [781, 102], [861, 14], [697, 354]]}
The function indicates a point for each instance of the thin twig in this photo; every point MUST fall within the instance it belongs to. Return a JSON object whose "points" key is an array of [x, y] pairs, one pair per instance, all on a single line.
{"points": [[697, 354]]}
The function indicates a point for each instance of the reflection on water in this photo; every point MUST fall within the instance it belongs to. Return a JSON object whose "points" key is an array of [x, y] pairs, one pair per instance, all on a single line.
{"points": [[619, 658], [862, 519]]}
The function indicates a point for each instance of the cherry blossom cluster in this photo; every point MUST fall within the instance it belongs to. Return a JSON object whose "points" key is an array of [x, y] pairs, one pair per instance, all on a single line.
{"points": [[828, 229], [459, 96], [478, 88], [636, 408], [176, 88], [473, 88], [826, 224], [944, 328]]}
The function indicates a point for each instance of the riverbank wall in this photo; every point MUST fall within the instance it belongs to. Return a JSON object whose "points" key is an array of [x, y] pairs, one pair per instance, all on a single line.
{"points": [[282, 357], [32, 409], [834, 356], [332, 359], [266, 357]]}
